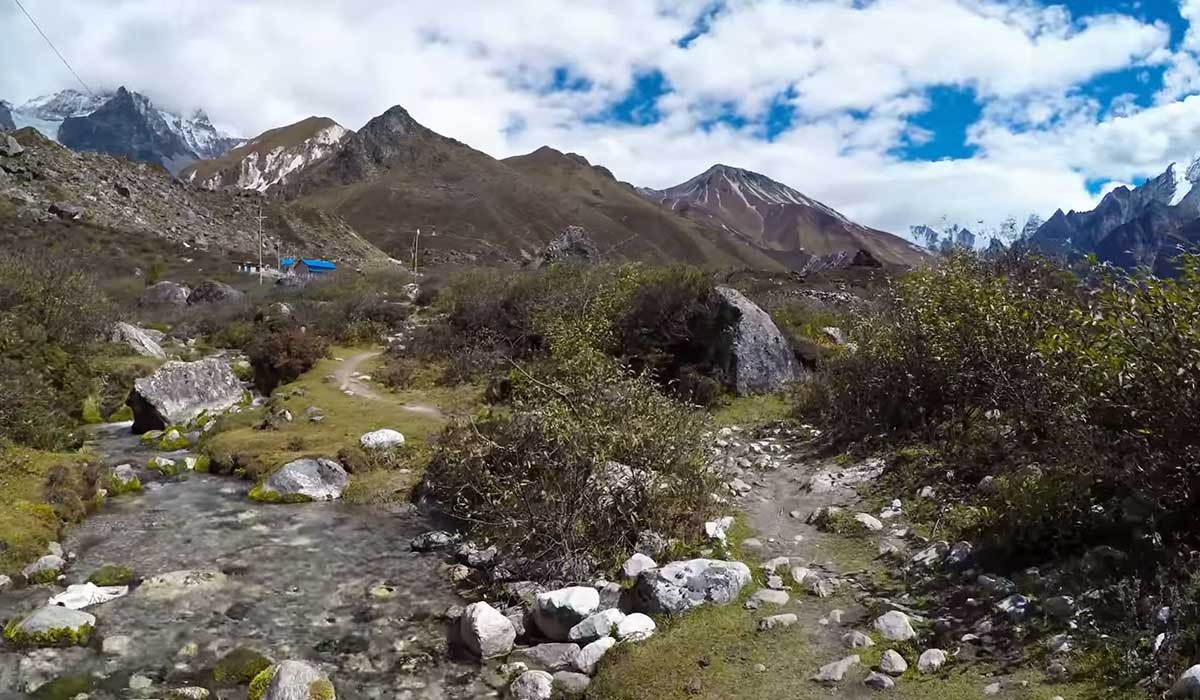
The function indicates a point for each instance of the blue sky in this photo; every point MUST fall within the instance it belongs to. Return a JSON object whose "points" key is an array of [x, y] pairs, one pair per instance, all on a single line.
{"points": [[895, 112]]}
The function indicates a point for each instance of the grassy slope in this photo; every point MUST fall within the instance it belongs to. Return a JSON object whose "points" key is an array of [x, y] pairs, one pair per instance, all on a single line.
{"points": [[346, 419], [27, 523], [711, 653]]}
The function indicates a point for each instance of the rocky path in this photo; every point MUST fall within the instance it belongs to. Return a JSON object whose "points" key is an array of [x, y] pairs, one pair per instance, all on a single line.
{"points": [[353, 382]]}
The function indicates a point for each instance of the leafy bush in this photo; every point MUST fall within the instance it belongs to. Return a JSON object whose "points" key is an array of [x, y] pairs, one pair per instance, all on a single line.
{"points": [[588, 456], [1079, 396], [283, 355]]}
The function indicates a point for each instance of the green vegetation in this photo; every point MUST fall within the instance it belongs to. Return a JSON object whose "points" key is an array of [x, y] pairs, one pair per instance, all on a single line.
{"points": [[283, 355], [58, 636], [112, 575], [262, 495], [240, 666], [321, 689], [586, 455], [123, 413], [1077, 394], [173, 439]]}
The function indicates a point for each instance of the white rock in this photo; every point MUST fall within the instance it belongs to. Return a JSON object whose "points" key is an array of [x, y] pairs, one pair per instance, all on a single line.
{"points": [[55, 549], [486, 631], [50, 566], [800, 574], [293, 680], [635, 628], [895, 626], [635, 565], [775, 621], [931, 660], [991, 688], [834, 672], [869, 521], [772, 565], [718, 529], [381, 439], [857, 640], [601, 624], [532, 685], [892, 663], [766, 596], [1187, 685], [53, 619], [556, 612], [591, 654], [5, 583], [82, 595]]}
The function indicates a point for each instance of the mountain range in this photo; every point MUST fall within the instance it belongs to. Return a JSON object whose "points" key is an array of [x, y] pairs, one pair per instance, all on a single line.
{"points": [[1145, 226], [395, 176], [123, 123]]}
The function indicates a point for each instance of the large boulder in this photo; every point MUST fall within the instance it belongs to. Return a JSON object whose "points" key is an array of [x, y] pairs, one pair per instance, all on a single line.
{"points": [[292, 680], [683, 585], [165, 293], [177, 392], [572, 245], [755, 356], [307, 479], [486, 631], [51, 626], [556, 612], [214, 292], [137, 339]]}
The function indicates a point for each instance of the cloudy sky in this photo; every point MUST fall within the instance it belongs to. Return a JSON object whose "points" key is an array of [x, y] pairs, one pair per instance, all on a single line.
{"points": [[894, 111]]}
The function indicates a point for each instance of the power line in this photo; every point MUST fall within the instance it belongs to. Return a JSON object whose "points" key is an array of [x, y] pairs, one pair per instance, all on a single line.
{"points": [[53, 48]]}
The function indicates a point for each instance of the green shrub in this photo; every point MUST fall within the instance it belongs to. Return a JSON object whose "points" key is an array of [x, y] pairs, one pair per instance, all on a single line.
{"points": [[112, 575], [589, 456], [283, 355]]}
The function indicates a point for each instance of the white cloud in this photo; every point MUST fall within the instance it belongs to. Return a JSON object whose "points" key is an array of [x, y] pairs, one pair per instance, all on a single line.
{"points": [[856, 73]]}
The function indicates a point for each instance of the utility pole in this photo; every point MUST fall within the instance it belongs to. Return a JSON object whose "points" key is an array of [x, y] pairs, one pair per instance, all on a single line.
{"points": [[260, 243], [416, 248]]}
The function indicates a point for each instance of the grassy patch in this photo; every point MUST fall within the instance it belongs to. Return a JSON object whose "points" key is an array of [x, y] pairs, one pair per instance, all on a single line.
{"points": [[750, 411], [238, 444], [27, 522]]}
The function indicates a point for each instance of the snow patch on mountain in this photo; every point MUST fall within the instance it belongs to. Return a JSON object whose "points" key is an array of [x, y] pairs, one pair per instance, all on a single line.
{"points": [[264, 161]]}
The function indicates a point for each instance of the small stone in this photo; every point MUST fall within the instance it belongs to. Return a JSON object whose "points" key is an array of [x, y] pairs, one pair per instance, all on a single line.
{"points": [[532, 685], [895, 626], [601, 624], [635, 628], [869, 521], [717, 529], [879, 681], [892, 663], [932, 555], [552, 656], [1061, 607], [569, 684], [44, 570], [775, 582], [931, 660], [773, 565], [835, 616], [766, 596], [775, 621], [1015, 606], [381, 439], [836, 671], [800, 574], [591, 654], [991, 688], [139, 682], [485, 631], [116, 645], [959, 555], [635, 565], [857, 640], [822, 587]]}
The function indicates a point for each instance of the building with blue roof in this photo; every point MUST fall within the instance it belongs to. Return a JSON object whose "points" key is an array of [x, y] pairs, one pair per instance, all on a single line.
{"points": [[306, 267]]}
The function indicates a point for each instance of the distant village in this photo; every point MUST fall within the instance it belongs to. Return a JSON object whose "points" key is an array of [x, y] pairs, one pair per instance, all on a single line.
{"points": [[305, 268]]}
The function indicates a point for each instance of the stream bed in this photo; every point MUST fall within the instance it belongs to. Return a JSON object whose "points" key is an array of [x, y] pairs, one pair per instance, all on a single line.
{"points": [[329, 583]]}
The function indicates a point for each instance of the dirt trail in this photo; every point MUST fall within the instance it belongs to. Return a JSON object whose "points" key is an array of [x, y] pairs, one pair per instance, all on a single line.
{"points": [[352, 382]]}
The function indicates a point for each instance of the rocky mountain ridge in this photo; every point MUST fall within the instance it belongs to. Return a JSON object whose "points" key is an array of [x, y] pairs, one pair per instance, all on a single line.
{"points": [[269, 158], [124, 123], [48, 181], [778, 218], [1141, 227]]}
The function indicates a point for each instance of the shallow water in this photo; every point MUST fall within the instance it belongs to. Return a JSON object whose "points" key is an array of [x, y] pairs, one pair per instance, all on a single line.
{"points": [[298, 584]]}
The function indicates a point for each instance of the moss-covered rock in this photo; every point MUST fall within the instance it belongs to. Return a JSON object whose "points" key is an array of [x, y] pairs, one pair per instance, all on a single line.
{"points": [[122, 479], [264, 495], [242, 665], [321, 689], [51, 626], [150, 436], [259, 684], [164, 466], [112, 575], [173, 439], [198, 463]]}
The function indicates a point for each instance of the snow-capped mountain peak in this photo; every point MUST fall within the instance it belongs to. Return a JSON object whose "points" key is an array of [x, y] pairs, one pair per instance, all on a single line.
{"points": [[269, 158]]}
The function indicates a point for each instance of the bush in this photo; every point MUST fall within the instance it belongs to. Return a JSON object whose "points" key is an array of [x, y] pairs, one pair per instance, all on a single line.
{"points": [[283, 355], [589, 456], [1080, 396]]}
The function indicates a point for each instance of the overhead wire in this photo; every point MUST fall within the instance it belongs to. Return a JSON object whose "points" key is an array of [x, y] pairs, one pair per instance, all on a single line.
{"points": [[53, 47]]}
